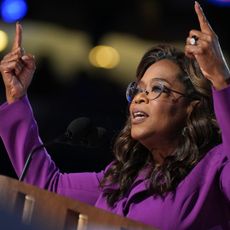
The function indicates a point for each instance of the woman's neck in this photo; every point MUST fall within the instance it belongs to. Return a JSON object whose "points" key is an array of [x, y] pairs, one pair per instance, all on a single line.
{"points": [[162, 149]]}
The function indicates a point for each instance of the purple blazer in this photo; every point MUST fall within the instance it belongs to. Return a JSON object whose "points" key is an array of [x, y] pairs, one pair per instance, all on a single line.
{"points": [[201, 200]]}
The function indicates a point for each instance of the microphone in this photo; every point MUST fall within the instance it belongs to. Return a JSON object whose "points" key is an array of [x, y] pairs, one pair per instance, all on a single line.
{"points": [[80, 131]]}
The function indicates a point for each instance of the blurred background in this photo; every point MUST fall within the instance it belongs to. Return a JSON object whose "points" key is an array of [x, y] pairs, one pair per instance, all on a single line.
{"points": [[86, 54]]}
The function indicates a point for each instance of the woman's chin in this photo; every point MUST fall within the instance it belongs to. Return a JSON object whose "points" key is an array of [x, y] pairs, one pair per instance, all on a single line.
{"points": [[139, 135]]}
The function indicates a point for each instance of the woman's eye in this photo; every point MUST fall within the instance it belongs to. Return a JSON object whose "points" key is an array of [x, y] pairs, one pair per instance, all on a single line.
{"points": [[157, 88], [139, 90]]}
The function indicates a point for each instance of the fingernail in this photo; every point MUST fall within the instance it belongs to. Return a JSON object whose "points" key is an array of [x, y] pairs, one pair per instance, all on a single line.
{"points": [[24, 57], [19, 23], [197, 3]]}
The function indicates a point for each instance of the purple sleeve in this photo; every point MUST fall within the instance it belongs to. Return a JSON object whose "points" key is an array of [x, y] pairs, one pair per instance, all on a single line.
{"points": [[19, 132], [222, 112]]}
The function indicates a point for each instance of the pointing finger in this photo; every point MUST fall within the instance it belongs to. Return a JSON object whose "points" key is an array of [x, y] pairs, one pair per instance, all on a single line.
{"points": [[18, 36], [204, 24]]}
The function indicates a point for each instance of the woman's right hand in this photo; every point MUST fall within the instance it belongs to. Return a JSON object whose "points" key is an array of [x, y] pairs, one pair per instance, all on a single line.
{"points": [[17, 69]]}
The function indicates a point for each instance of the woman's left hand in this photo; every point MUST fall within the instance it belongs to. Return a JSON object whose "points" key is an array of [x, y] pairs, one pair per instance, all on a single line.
{"points": [[207, 52]]}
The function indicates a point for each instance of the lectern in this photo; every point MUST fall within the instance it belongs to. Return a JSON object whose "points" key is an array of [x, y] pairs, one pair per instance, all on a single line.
{"points": [[35, 206]]}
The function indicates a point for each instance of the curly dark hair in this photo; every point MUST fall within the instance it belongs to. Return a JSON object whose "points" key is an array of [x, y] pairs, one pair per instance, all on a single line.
{"points": [[199, 135]]}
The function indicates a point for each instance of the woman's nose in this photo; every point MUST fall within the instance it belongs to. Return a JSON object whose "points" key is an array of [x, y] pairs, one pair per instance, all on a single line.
{"points": [[141, 97]]}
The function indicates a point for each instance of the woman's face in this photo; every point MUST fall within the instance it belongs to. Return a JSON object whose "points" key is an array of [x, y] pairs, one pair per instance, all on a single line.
{"points": [[160, 120]]}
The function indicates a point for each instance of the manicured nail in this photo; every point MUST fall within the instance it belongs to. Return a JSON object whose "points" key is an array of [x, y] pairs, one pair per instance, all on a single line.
{"points": [[198, 4]]}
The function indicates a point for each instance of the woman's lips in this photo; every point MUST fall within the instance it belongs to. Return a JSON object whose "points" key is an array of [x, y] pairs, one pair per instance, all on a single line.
{"points": [[139, 116]]}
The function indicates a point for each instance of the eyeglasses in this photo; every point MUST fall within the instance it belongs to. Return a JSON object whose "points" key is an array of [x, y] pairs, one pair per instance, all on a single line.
{"points": [[157, 88]]}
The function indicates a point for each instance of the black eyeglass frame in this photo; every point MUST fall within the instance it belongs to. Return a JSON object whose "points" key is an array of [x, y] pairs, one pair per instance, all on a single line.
{"points": [[133, 86]]}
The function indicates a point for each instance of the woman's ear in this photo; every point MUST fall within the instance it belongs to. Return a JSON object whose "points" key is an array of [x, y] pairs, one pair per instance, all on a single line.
{"points": [[191, 106]]}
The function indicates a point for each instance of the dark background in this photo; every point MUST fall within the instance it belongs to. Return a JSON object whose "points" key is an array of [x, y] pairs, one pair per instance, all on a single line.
{"points": [[103, 100]]}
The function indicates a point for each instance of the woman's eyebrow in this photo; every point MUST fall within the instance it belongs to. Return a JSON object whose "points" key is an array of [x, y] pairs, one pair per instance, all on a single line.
{"points": [[161, 79]]}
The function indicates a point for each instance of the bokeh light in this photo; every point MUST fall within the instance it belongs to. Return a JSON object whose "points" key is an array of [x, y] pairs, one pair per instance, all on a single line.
{"points": [[104, 57], [3, 40], [13, 10], [220, 2]]}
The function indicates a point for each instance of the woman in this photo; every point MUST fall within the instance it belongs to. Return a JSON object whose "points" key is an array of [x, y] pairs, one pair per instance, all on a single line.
{"points": [[171, 168]]}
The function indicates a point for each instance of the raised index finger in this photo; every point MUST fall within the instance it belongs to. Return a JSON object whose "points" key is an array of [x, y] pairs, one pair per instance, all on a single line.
{"points": [[204, 24], [18, 36]]}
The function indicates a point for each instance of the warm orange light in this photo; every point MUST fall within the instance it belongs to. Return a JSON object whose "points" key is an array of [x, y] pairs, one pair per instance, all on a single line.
{"points": [[3, 40], [104, 57]]}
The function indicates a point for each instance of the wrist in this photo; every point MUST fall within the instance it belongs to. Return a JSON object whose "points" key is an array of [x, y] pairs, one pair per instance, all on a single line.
{"points": [[221, 82], [11, 98]]}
